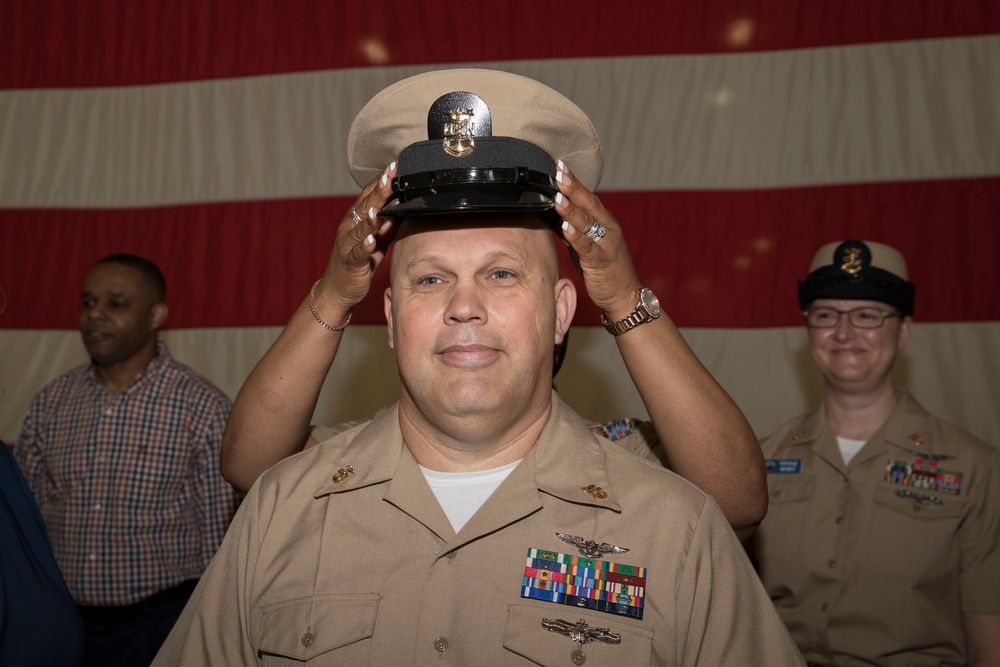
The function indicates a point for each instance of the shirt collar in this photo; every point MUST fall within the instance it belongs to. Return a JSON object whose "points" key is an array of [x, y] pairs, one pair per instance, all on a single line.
{"points": [[567, 462], [152, 369]]}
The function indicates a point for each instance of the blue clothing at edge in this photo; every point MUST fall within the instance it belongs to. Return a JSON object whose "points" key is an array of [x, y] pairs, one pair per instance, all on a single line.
{"points": [[39, 623]]}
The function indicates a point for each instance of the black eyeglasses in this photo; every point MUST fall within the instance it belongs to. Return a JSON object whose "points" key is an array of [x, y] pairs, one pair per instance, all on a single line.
{"points": [[860, 318]]}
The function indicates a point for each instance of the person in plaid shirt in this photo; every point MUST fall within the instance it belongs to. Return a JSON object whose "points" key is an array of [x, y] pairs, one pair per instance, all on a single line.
{"points": [[122, 455]]}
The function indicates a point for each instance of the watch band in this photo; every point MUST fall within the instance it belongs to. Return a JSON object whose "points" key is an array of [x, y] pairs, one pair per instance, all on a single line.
{"points": [[637, 317], [641, 315]]}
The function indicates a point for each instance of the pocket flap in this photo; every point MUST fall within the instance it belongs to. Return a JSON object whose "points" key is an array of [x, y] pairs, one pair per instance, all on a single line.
{"points": [[919, 503], [306, 627], [526, 636]]}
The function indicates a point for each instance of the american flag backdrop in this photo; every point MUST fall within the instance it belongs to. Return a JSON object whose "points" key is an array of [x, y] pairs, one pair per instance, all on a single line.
{"points": [[739, 136]]}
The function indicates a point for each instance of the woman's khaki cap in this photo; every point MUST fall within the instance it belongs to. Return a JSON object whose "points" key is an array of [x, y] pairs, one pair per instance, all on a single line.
{"points": [[472, 140]]}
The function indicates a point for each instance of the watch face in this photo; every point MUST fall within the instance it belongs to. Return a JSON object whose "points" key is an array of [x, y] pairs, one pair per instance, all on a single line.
{"points": [[650, 302]]}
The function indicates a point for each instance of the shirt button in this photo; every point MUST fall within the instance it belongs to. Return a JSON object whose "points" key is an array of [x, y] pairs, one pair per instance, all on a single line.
{"points": [[97, 506], [578, 657], [307, 639], [92, 557], [451, 555], [832, 563], [839, 520], [440, 644]]}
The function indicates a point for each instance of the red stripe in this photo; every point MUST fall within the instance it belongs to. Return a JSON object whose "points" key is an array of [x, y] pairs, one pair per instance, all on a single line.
{"points": [[67, 43], [716, 259]]}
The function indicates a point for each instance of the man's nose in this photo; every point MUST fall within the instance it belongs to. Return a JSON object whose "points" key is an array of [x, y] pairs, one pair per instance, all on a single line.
{"points": [[466, 304]]}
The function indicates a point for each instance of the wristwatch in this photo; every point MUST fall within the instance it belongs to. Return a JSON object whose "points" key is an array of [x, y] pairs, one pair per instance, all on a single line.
{"points": [[647, 310]]}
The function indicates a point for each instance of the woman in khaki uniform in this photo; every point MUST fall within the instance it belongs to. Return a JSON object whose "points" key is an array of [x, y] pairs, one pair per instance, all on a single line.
{"points": [[880, 546]]}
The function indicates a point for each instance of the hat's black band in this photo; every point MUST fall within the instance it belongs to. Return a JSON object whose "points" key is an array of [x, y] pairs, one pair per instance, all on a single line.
{"points": [[479, 176], [876, 285]]}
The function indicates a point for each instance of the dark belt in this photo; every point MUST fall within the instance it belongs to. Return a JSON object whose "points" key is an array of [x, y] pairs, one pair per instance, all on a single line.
{"points": [[113, 615]]}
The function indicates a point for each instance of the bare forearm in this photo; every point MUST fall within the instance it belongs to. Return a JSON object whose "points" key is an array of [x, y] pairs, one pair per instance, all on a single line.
{"points": [[273, 410], [705, 436]]}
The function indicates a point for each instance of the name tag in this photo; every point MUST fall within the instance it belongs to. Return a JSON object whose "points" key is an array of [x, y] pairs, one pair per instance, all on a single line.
{"points": [[784, 466]]}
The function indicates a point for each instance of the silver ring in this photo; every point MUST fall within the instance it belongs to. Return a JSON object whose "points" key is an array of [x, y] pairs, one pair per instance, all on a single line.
{"points": [[596, 231], [357, 218]]}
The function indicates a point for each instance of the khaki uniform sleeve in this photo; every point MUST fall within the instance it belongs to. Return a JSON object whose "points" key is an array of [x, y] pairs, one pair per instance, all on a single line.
{"points": [[980, 541], [731, 621], [214, 628]]}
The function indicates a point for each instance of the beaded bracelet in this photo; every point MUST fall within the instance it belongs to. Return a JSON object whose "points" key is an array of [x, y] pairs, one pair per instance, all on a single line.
{"points": [[312, 309]]}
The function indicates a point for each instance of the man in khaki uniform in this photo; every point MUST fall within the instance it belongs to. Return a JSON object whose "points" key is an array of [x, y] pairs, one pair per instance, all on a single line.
{"points": [[880, 546], [480, 521]]}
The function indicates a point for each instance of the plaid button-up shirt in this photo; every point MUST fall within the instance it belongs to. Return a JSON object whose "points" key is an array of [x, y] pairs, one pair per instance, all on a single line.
{"points": [[129, 484]]}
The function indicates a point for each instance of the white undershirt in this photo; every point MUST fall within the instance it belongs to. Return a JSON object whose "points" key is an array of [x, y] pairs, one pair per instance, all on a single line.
{"points": [[848, 448], [461, 494]]}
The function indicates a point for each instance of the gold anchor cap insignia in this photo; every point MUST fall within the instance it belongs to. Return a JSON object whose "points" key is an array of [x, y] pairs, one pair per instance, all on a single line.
{"points": [[342, 474], [458, 132], [596, 492], [851, 261], [917, 439]]}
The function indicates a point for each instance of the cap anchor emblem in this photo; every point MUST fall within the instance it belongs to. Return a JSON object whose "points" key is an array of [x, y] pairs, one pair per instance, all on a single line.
{"points": [[851, 261], [458, 132]]}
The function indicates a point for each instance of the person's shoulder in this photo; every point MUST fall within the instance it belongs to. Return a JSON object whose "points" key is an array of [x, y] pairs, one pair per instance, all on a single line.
{"points": [[642, 480], [312, 466], [62, 384], [941, 435], [185, 379], [789, 432]]}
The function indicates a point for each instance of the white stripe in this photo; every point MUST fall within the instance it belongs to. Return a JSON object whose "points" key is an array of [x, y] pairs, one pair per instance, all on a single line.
{"points": [[767, 371], [864, 113]]}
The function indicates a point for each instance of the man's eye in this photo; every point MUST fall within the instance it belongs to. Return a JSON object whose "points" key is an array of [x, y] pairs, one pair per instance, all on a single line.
{"points": [[823, 315], [429, 280], [867, 314], [502, 274]]}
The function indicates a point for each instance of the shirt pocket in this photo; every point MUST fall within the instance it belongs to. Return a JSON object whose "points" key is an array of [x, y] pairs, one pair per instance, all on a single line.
{"points": [[337, 627], [918, 540], [780, 534], [527, 642]]}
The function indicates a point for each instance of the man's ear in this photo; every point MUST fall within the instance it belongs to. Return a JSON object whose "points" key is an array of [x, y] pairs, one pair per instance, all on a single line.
{"points": [[904, 332], [159, 316], [387, 304], [565, 307]]}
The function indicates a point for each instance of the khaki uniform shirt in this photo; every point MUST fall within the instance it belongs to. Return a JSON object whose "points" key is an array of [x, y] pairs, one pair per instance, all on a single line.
{"points": [[874, 563], [363, 568]]}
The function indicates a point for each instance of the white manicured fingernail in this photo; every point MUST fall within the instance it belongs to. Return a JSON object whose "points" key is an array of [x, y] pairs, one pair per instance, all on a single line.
{"points": [[371, 212], [385, 179], [392, 165], [559, 198], [560, 165], [369, 239], [559, 176], [565, 226]]}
